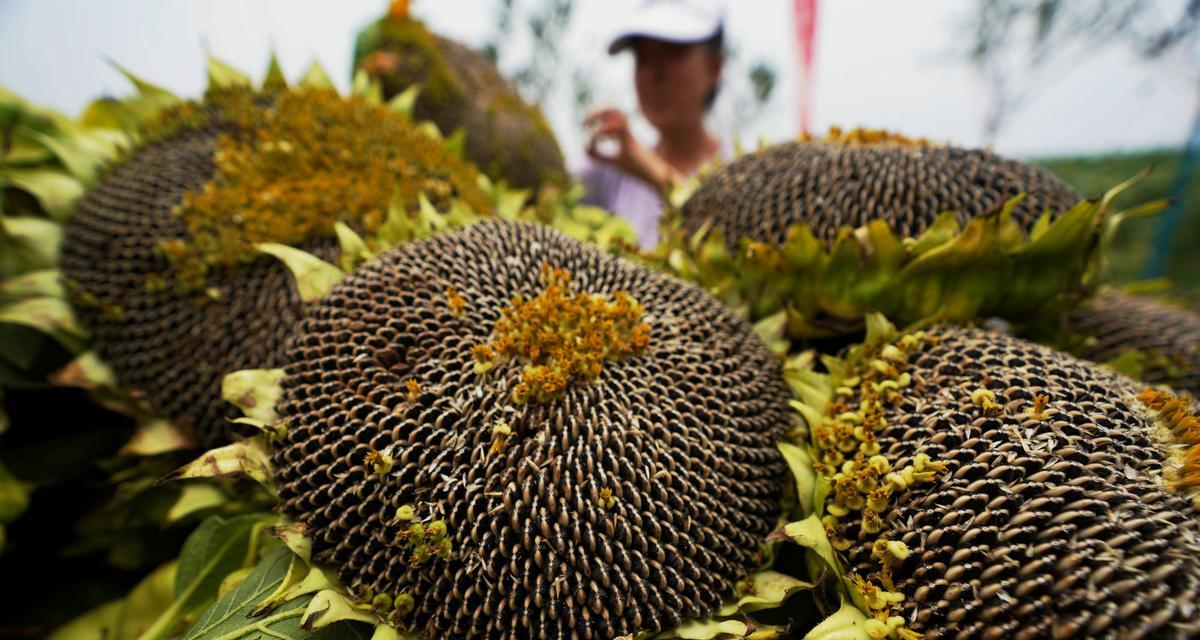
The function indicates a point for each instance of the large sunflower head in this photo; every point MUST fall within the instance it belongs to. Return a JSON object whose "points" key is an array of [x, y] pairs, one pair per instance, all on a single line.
{"points": [[517, 435], [161, 255]]}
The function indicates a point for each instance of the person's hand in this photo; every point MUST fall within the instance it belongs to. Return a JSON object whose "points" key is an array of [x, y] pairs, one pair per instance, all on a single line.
{"points": [[627, 154]]}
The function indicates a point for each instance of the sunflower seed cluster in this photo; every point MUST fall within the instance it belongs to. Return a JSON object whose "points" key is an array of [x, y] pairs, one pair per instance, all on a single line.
{"points": [[1167, 337], [634, 500], [1051, 517], [828, 186], [172, 349]]}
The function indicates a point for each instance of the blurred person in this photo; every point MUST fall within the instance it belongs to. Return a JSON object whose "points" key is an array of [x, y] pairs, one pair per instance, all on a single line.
{"points": [[677, 46]]}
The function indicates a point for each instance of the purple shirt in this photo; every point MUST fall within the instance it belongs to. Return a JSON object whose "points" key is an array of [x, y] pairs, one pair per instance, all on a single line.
{"points": [[631, 198]]}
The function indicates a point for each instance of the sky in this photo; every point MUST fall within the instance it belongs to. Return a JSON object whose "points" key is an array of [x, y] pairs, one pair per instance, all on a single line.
{"points": [[879, 63]]}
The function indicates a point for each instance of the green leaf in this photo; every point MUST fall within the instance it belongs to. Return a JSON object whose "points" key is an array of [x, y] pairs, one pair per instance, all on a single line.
{"points": [[800, 464], [771, 331], [848, 623], [28, 244], [80, 154], [254, 391], [247, 458], [861, 268], [456, 143], [195, 497], [708, 629], [944, 227], [366, 87], [217, 548], [810, 533], [814, 390], [86, 371], [1041, 225], [430, 129], [274, 77], [401, 225], [316, 78], [231, 581], [509, 202], [23, 152], [811, 416], [429, 216], [222, 75], [44, 283], [55, 190], [117, 118], [52, 316], [127, 114], [228, 619], [154, 436], [823, 489], [301, 580], [330, 606], [146, 89], [879, 329], [1058, 244], [397, 225], [405, 101], [955, 280], [294, 536], [314, 277], [769, 590], [387, 632], [354, 248]]}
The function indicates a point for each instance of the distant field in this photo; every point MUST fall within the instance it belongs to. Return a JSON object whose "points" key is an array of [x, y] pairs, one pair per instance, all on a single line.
{"points": [[1092, 175]]}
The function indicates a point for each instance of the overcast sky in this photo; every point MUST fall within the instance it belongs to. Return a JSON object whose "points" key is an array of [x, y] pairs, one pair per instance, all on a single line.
{"points": [[880, 63]]}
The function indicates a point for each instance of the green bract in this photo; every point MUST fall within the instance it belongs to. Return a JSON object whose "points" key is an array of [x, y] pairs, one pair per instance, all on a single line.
{"points": [[992, 266], [48, 161]]}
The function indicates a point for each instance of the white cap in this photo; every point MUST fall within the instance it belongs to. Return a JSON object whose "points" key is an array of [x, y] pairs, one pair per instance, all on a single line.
{"points": [[681, 21]]}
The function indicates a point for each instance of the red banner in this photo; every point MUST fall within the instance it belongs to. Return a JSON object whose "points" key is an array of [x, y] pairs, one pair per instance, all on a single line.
{"points": [[805, 15]]}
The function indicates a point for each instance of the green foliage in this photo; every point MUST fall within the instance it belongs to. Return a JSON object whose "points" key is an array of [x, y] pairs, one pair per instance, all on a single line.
{"points": [[1092, 175], [848, 623], [47, 156], [46, 162], [216, 549], [246, 459], [177, 593], [990, 266], [314, 277], [229, 617]]}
